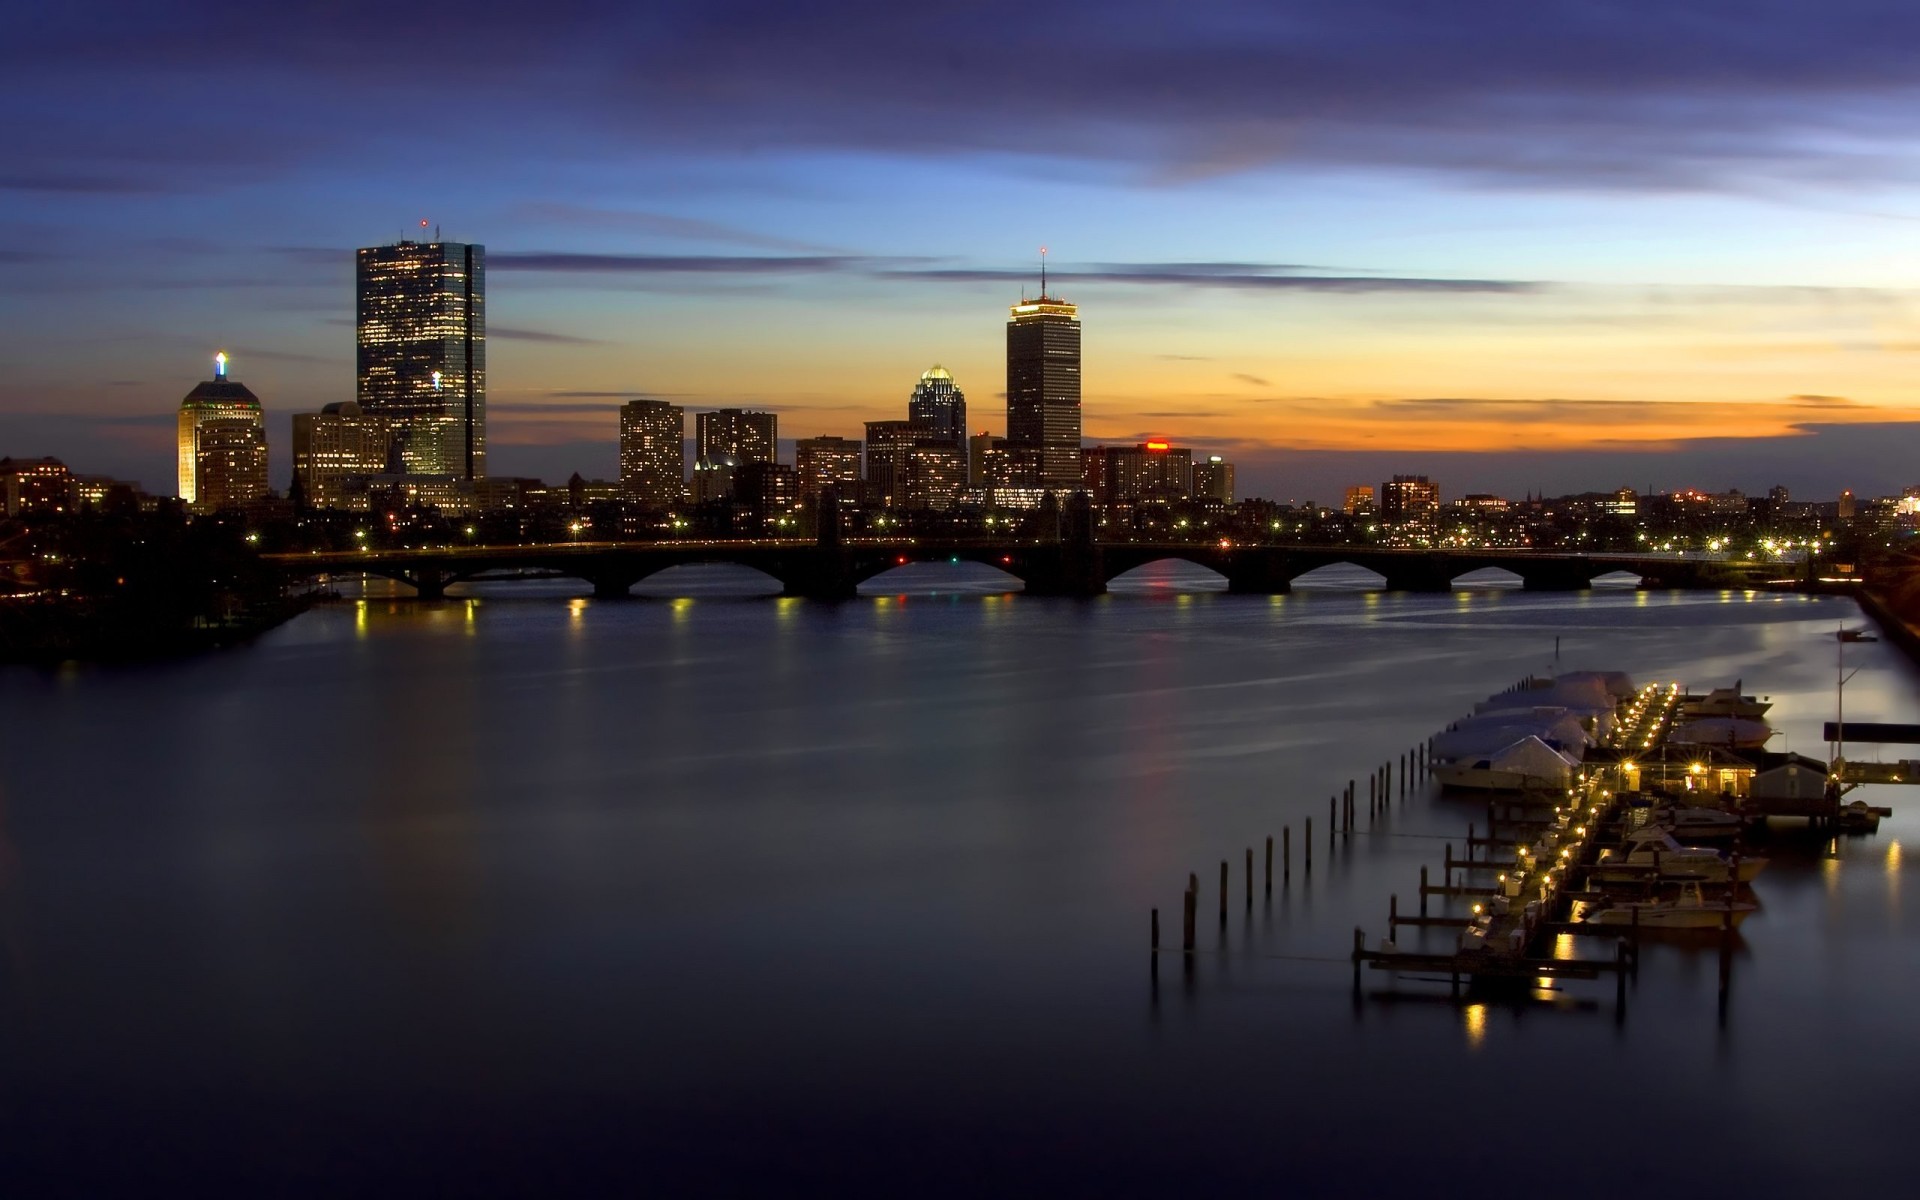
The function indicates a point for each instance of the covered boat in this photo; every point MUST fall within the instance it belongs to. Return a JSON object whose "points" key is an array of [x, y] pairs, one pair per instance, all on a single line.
{"points": [[1737, 732], [1527, 764]]}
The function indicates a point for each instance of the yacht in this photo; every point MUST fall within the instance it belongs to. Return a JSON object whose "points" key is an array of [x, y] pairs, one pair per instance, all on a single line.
{"points": [[1652, 852], [1726, 702], [1688, 910], [1707, 823]]}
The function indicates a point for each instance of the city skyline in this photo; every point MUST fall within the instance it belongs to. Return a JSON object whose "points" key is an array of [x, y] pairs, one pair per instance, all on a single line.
{"points": [[1544, 257]]}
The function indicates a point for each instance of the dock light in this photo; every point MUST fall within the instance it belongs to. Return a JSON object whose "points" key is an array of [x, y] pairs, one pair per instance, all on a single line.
{"points": [[1698, 769], [1476, 910]]}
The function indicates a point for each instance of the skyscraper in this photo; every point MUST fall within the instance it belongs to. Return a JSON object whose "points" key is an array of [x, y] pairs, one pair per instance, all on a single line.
{"points": [[1410, 498], [888, 443], [421, 328], [652, 453], [222, 443], [737, 434], [1043, 386], [939, 408]]}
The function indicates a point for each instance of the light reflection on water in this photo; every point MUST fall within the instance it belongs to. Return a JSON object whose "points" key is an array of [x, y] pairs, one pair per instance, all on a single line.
{"points": [[705, 884]]}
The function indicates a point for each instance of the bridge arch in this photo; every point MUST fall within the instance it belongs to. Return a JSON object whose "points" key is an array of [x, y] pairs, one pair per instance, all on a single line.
{"points": [[964, 574], [1341, 575], [717, 577], [1167, 573], [1489, 578]]}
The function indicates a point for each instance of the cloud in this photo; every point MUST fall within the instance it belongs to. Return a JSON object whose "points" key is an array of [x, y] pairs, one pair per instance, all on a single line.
{"points": [[665, 225], [540, 335], [671, 264], [1746, 95], [1255, 380]]}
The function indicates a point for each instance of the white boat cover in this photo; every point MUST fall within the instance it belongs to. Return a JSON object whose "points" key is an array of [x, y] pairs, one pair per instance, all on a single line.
{"points": [[1534, 759], [1588, 698], [1477, 737], [1619, 684]]}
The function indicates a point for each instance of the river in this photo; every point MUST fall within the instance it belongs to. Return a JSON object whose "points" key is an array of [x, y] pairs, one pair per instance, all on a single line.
{"points": [[523, 892]]}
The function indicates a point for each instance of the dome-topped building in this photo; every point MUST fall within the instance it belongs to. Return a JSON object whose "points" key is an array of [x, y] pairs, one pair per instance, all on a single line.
{"points": [[222, 443], [939, 408]]}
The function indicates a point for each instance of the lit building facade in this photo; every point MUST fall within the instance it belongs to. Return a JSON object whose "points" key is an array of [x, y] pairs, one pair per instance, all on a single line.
{"points": [[936, 471], [231, 464], [1149, 471], [820, 463], [939, 408], [1213, 479], [652, 453], [221, 443], [421, 328], [334, 446], [737, 434], [35, 485], [887, 446], [1359, 500], [1043, 386], [1409, 498]]}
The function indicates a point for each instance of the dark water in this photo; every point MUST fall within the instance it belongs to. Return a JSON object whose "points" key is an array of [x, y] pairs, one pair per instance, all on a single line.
{"points": [[518, 893]]}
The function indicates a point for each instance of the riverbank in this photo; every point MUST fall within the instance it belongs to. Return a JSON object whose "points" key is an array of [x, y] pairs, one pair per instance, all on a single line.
{"points": [[49, 632]]}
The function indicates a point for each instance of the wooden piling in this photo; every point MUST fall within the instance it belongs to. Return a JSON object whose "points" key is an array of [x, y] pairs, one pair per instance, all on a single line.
{"points": [[1249, 878], [1423, 889], [1269, 864], [1307, 844], [1223, 893], [1393, 913], [1286, 853], [1187, 922]]}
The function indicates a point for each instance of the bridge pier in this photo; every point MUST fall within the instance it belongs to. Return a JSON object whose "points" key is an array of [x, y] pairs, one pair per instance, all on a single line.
{"points": [[611, 587], [427, 583], [1065, 569], [1554, 581], [821, 574], [1258, 573], [1420, 578]]}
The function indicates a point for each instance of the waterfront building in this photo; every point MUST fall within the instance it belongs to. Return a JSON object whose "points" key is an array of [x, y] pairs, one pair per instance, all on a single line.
{"points": [[939, 408], [1043, 386], [1359, 500], [1147, 472], [230, 464], [420, 328], [820, 463], [221, 443], [936, 472], [35, 485], [768, 489], [1411, 498], [887, 446], [1213, 480], [101, 492], [978, 447], [738, 434], [653, 453], [334, 445]]}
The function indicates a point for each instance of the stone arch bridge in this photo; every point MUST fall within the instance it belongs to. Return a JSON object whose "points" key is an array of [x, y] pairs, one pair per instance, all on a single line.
{"points": [[827, 570]]}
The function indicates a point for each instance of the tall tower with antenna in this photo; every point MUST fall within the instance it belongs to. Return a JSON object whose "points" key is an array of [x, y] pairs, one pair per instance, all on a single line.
{"points": [[1043, 386]]}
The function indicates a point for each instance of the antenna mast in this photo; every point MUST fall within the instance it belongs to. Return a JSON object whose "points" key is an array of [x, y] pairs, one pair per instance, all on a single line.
{"points": [[1043, 272]]}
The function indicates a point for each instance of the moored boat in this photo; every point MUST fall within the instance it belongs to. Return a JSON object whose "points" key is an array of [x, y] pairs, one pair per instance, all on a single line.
{"points": [[1725, 702], [1652, 853], [1688, 910]]}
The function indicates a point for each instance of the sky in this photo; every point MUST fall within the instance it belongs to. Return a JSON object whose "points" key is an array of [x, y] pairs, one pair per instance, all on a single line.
{"points": [[1517, 246]]}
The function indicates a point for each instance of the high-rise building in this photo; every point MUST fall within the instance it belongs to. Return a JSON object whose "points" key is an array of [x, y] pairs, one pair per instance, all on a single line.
{"points": [[1043, 386], [231, 465], [737, 434], [1213, 480], [334, 445], [35, 485], [939, 408], [887, 446], [936, 471], [222, 443], [767, 488], [652, 453], [820, 463], [1359, 500], [421, 327], [1148, 471], [1413, 498]]}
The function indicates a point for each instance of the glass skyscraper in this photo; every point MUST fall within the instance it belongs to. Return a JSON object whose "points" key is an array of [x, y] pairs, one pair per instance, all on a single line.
{"points": [[421, 328], [1043, 388]]}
